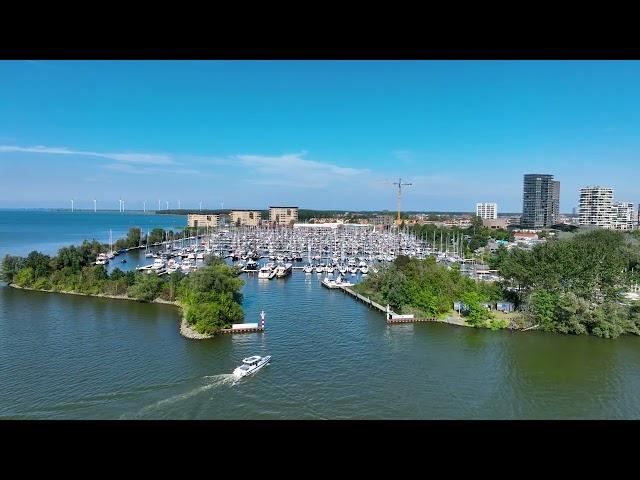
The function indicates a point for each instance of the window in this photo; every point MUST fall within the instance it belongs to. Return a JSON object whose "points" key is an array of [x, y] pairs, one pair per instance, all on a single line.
{"points": [[209, 217], [288, 212], [251, 215]]}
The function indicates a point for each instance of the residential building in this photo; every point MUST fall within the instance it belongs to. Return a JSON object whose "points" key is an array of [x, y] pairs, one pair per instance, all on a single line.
{"points": [[203, 220], [487, 210], [249, 218], [283, 215], [596, 207], [623, 216], [540, 201]]}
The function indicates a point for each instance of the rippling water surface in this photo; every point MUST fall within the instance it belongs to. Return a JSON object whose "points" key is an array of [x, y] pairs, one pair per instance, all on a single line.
{"points": [[64, 356]]}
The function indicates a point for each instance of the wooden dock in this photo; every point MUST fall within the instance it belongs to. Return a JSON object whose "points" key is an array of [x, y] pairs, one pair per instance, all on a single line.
{"points": [[390, 318], [364, 299], [411, 320], [242, 330]]}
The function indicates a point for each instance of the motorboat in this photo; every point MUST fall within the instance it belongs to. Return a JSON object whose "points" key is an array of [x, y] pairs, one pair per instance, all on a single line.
{"points": [[308, 269], [158, 264], [251, 265], [337, 283], [251, 365], [102, 259], [283, 270], [266, 272]]}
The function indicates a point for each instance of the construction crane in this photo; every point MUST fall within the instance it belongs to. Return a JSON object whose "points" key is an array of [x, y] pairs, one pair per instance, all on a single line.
{"points": [[399, 184]]}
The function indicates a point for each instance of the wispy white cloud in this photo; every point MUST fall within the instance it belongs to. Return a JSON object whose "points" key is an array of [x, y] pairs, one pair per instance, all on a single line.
{"points": [[293, 170], [144, 158], [137, 170]]}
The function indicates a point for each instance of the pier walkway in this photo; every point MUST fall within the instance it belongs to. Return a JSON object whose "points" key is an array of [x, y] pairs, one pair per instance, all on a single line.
{"points": [[392, 317], [242, 330]]}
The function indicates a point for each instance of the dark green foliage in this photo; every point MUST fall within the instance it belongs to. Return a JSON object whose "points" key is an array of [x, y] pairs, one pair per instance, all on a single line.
{"points": [[147, 288], [77, 257], [574, 285], [476, 314], [210, 295], [219, 278], [155, 236], [10, 267], [133, 239], [424, 286], [219, 312]]}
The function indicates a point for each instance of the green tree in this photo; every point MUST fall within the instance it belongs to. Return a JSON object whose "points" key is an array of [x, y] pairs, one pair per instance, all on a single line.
{"points": [[10, 267], [24, 277], [147, 288], [476, 315], [543, 305]]}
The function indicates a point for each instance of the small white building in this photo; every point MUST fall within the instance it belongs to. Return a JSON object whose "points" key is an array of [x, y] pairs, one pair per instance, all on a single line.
{"points": [[487, 210], [623, 216]]}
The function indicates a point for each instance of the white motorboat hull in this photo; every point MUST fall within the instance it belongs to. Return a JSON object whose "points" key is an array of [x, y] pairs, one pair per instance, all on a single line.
{"points": [[238, 373]]}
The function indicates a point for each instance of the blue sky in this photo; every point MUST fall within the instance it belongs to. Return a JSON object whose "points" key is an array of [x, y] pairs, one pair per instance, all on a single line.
{"points": [[317, 134]]}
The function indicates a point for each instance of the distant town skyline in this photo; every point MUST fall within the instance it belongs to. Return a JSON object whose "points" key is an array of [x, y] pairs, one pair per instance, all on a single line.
{"points": [[317, 134]]}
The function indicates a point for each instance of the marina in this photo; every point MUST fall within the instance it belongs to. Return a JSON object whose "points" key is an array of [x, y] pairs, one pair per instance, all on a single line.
{"points": [[348, 251], [71, 356]]}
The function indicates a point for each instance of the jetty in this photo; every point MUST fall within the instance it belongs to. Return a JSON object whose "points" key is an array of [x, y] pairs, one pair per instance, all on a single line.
{"points": [[243, 328], [391, 316]]}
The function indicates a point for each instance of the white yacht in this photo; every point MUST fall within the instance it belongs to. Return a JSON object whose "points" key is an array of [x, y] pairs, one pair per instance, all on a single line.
{"points": [[250, 365], [308, 269], [266, 272], [158, 264], [283, 270]]}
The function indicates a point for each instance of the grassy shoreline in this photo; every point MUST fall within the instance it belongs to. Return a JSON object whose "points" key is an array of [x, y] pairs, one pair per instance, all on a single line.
{"points": [[185, 329]]}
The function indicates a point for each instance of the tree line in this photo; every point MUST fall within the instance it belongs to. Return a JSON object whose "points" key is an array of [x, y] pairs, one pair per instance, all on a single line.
{"points": [[210, 296]]}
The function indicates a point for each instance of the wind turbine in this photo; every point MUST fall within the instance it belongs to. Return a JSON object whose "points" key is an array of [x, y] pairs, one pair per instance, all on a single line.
{"points": [[200, 205], [120, 205], [167, 204], [158, 204], [95, 209], [144, 206], [72, 205]]}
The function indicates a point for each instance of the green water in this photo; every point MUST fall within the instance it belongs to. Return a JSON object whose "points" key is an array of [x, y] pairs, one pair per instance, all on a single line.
{"points": [[64, 356]]}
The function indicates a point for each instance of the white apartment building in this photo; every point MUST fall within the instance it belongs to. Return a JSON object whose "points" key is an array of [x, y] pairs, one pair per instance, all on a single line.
{"points": [[283, 215], [487, 210], [623, 216], [596, 207]]}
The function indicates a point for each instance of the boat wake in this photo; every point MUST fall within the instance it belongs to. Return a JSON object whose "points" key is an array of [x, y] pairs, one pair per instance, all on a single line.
{"points": [[210, 382]]}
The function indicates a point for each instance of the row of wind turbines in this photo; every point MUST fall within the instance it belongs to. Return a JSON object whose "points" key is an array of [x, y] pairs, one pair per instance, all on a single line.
{"points": [[121, 203]]}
